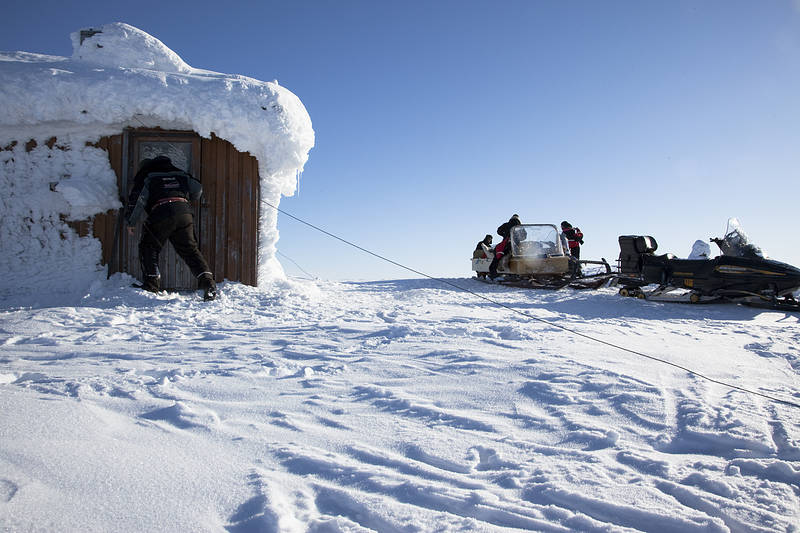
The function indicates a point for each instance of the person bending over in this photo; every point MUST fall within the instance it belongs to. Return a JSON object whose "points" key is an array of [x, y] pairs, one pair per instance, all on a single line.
{"points": [[163, 193]]}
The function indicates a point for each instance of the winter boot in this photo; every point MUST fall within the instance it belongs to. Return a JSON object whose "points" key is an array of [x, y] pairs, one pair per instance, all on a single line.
{"points": [[152, 283], [205, 282]]}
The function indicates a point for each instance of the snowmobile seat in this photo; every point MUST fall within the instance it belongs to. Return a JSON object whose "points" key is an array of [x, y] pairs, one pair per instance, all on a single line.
{"points": [[631, 250], [645, 244], [656, 268]]}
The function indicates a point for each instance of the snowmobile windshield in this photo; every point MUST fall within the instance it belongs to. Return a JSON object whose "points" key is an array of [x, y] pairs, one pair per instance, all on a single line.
{"points": [[536, 240], [735, 243]]}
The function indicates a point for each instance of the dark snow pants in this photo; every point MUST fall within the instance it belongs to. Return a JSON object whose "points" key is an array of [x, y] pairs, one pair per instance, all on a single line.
{"points": [[173, 222], [499, 251], [575, 257]]}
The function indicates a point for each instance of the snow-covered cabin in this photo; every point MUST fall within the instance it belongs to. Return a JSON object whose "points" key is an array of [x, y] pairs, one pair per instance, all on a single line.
{"points": [[72, 134]]}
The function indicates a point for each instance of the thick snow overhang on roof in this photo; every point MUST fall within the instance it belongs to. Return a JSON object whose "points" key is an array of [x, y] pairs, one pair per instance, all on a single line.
{"points": [[119, 76]]}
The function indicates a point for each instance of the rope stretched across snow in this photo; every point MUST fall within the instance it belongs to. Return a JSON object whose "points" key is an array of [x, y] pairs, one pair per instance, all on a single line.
{"points": [[549, 323]]}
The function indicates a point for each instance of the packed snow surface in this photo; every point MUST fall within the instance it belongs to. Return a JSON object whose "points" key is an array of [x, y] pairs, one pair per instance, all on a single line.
{"points": [[399, 405]]}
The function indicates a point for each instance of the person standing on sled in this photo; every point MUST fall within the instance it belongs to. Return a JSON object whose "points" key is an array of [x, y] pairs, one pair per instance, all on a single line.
{"points": [[574, 238], [504, 247], [164, 192]]}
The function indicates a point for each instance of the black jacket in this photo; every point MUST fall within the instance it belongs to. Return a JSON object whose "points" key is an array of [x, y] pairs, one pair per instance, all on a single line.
{"points": [[574, 236], [156, 180], [505, 229]]}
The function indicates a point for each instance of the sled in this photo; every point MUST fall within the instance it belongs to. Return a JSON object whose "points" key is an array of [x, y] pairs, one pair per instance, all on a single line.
{"points": [[538, 260]]}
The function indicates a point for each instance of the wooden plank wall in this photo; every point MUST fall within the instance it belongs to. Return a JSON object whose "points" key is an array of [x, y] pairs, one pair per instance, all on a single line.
{"points": [[229, 236]]}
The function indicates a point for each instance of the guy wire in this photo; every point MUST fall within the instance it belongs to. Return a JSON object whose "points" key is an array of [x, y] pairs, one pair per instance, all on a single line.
{"points": [[549, 323]]}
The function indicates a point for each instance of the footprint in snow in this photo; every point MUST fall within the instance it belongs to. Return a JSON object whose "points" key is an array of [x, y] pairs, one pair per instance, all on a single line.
{"points": [[182, 416], [644, 465], [8, 489], [272, 507]]}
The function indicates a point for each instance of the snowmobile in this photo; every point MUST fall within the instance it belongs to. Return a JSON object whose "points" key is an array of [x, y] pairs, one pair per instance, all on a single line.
{"points": [[538, 260], [741, 274]]}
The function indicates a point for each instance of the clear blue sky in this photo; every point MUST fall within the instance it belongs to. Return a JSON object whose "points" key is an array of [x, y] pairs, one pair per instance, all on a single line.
{"points": [[436, 120]]}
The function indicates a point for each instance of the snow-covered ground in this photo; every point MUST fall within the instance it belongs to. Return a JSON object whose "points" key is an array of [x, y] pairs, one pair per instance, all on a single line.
{"points": [[394, 406]]}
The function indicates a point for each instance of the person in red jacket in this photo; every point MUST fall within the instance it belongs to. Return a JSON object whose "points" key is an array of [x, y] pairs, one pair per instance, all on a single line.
{"points": [[574, 239]]}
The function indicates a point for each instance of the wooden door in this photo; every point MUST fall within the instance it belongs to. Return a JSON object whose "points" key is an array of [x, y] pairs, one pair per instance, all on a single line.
{"points": [[226, 219], [183, 149]]}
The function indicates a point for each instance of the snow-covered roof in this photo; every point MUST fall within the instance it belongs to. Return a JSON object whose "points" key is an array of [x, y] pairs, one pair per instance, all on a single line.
{"points": [[120, 76]]}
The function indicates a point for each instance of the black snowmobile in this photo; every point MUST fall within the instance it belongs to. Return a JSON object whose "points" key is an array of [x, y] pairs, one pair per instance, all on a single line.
{"points": [[742, 274]]}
